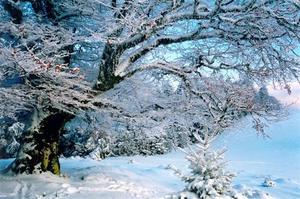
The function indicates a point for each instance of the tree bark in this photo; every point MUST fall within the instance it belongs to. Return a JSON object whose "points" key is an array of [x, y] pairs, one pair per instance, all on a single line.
{"points": [[110, 59], [39, 149]]}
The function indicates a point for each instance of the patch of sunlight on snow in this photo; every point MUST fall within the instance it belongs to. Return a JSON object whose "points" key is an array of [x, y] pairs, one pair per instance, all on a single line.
{"points": [[284, 97]]}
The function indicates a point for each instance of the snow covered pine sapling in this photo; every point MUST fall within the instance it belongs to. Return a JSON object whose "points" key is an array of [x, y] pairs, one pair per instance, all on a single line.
{"points": [[208, 178]]}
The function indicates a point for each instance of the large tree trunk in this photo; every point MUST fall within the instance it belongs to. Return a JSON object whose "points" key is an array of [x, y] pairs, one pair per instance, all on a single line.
{"points": [[39, 150]]}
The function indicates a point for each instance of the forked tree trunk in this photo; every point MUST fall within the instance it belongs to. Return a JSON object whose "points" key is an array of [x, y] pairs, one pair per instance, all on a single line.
{"points": [[39, 149], [110, 59]]}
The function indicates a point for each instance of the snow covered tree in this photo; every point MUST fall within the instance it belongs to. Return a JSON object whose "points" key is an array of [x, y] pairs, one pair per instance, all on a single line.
{"points": [[208, 178], [207, 45], [265, 100]]}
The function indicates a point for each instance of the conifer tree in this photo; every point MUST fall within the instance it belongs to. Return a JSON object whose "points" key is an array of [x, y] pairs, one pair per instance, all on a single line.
{"points": [[208, 178]]}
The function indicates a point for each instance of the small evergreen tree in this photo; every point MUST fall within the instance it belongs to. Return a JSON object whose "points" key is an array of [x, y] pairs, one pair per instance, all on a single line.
{"points": [[208, 179]]}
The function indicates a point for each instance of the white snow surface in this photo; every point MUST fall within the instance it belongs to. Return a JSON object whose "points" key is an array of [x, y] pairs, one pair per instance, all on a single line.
{"points": [[253, 159]]}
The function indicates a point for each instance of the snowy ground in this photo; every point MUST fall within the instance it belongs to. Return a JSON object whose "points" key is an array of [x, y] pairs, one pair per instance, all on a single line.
{"points": [[251, 157]]}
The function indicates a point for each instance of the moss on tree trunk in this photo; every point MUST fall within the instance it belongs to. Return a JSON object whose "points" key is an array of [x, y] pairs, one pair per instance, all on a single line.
{"points": [[50, 158]]}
